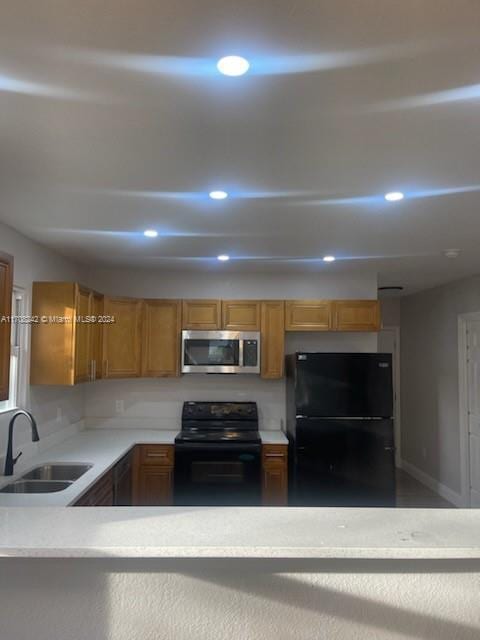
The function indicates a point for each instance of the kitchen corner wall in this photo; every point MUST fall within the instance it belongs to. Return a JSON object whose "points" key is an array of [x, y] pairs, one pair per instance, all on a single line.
{"points": [[54, 407], [429, 375], [158, 402]]}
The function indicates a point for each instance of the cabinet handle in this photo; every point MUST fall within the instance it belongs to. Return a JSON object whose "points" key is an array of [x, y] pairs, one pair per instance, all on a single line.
{"points": [[157, 455], [94, 370], [106, 368], [275, 455]]}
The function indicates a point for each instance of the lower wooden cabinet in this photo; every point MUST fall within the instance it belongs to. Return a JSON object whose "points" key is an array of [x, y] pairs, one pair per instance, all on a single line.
{"points": [[274, 475], [153, 475], [100, 495]]}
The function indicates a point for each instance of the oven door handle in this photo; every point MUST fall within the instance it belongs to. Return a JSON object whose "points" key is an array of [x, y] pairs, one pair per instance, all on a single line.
{"points": [[228, 447]]}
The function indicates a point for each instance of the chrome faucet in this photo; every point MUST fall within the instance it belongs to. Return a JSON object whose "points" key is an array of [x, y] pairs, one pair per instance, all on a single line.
{"points": [[10, 461]]}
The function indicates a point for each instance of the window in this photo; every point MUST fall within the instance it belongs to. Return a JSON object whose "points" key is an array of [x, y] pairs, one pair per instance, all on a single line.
{"points": [[17, 354]]}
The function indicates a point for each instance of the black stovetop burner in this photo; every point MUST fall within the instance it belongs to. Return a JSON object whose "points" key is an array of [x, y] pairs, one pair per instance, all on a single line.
{"points": [[210, 422]]}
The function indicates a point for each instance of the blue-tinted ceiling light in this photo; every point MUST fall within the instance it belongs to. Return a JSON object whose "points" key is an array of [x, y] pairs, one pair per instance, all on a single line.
{"points": [[218, 195], [233, 66], [329, 259], [223, 258], [394, 196], [150, 233]]}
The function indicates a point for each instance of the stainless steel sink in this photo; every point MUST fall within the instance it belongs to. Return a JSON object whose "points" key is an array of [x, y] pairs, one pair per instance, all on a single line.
{"points": [[36, 486], [53, 471]]}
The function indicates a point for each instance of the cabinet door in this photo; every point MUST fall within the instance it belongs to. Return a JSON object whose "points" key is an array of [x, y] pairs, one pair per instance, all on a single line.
{"points": [[357, 315], [83, 354], [241, 315], [53, 343], [274, 475], [202, 315], [272, 339], [97, 335], [155, 486], [161, 329], [308, 315], [122, 338], [6, 290]]}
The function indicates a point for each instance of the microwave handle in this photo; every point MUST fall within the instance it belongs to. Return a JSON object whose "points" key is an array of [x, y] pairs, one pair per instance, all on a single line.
{"points": [[240, 352]]}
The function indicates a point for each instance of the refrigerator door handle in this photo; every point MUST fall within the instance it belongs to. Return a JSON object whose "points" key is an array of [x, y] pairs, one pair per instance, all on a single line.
{"points": [[389, 448]]}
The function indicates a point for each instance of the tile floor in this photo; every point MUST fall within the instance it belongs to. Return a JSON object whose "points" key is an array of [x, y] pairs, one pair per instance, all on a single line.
{"points": [[414, 494]]}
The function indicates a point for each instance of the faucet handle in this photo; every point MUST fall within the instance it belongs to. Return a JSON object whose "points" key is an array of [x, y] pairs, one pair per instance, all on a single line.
{"points": [[15, 460]]}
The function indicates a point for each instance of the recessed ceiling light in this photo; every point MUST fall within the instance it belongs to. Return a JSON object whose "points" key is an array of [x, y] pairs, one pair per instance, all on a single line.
{"points": [[233, 66], [150, 233], [223, 258], [394, 196], [329, 259], [218, 195]]}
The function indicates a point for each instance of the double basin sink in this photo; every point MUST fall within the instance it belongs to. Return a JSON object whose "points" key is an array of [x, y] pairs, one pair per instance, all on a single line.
{"points": [[47, 478]]}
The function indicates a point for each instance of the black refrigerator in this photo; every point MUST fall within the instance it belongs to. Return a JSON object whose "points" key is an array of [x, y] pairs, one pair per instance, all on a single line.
{"points": [[340, 429]]}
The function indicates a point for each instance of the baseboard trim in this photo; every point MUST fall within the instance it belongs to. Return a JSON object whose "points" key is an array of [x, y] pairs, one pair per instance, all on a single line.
{"points": [[442, 490]]}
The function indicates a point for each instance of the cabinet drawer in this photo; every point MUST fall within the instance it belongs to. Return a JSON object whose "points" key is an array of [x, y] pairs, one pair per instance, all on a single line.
{"points": [[159, 455], [274, 455]]}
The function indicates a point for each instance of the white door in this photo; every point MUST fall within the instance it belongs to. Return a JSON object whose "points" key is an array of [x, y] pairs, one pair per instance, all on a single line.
{"points": [[473, 405], [389, 342]]}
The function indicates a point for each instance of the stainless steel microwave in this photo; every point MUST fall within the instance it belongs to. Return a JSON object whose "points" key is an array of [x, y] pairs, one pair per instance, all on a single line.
{"points": [[220, 352]]}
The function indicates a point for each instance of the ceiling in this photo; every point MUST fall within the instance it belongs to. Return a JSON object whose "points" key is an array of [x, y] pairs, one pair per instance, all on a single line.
{"points": [[113, 120]]}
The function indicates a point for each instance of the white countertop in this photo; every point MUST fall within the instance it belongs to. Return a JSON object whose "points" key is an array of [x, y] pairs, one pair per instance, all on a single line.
{"points": [[227, 532], [100, 447]]}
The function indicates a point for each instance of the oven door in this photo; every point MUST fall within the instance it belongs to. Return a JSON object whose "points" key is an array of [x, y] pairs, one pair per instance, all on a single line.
{"points": [[217, 474], [220, 352]]}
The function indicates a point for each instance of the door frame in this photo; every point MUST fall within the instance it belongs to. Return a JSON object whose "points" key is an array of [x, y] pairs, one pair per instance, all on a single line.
{"points": [[395, 329], [463, 320]]}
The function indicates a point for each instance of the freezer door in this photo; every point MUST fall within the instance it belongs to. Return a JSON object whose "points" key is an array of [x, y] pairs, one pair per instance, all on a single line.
{"points": [[347, 463], [344, 385]]}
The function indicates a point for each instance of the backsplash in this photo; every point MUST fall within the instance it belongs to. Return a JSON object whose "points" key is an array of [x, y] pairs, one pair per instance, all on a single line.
{"points": [[158, 402]]}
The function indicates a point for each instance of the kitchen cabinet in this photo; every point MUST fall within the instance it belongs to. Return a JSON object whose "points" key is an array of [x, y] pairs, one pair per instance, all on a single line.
{"points": [[274, 475], [83, 347], [6, 292], [241, 315], [272, 339], [61, 346], [308, 315], [202, 315], [356, 315], [97, 335], [100, 495], [122, 338], [161, 330], [153, 475]]}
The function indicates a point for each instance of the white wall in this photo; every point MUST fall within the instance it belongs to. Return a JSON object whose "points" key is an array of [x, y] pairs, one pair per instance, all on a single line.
{"points": [[429, 378], [34, 262], [390, 310], [180, 599], [158, 402]]}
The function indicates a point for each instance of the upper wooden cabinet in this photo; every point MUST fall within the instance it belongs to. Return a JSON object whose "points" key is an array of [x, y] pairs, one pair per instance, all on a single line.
{"points": [[202, 315], [272, 339], [122, 338], [6, 288], [308, 315], [241, 315], [162, 326], [61, 349], [83, 335], [97, 335], [356, 315]]}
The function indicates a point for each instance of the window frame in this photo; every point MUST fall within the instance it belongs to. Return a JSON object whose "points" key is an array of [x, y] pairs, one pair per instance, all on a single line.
{"points": [[18, 349]]}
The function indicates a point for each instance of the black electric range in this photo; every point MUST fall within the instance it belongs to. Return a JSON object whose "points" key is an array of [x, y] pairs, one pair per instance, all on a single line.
{"points": [[218, 455]]}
